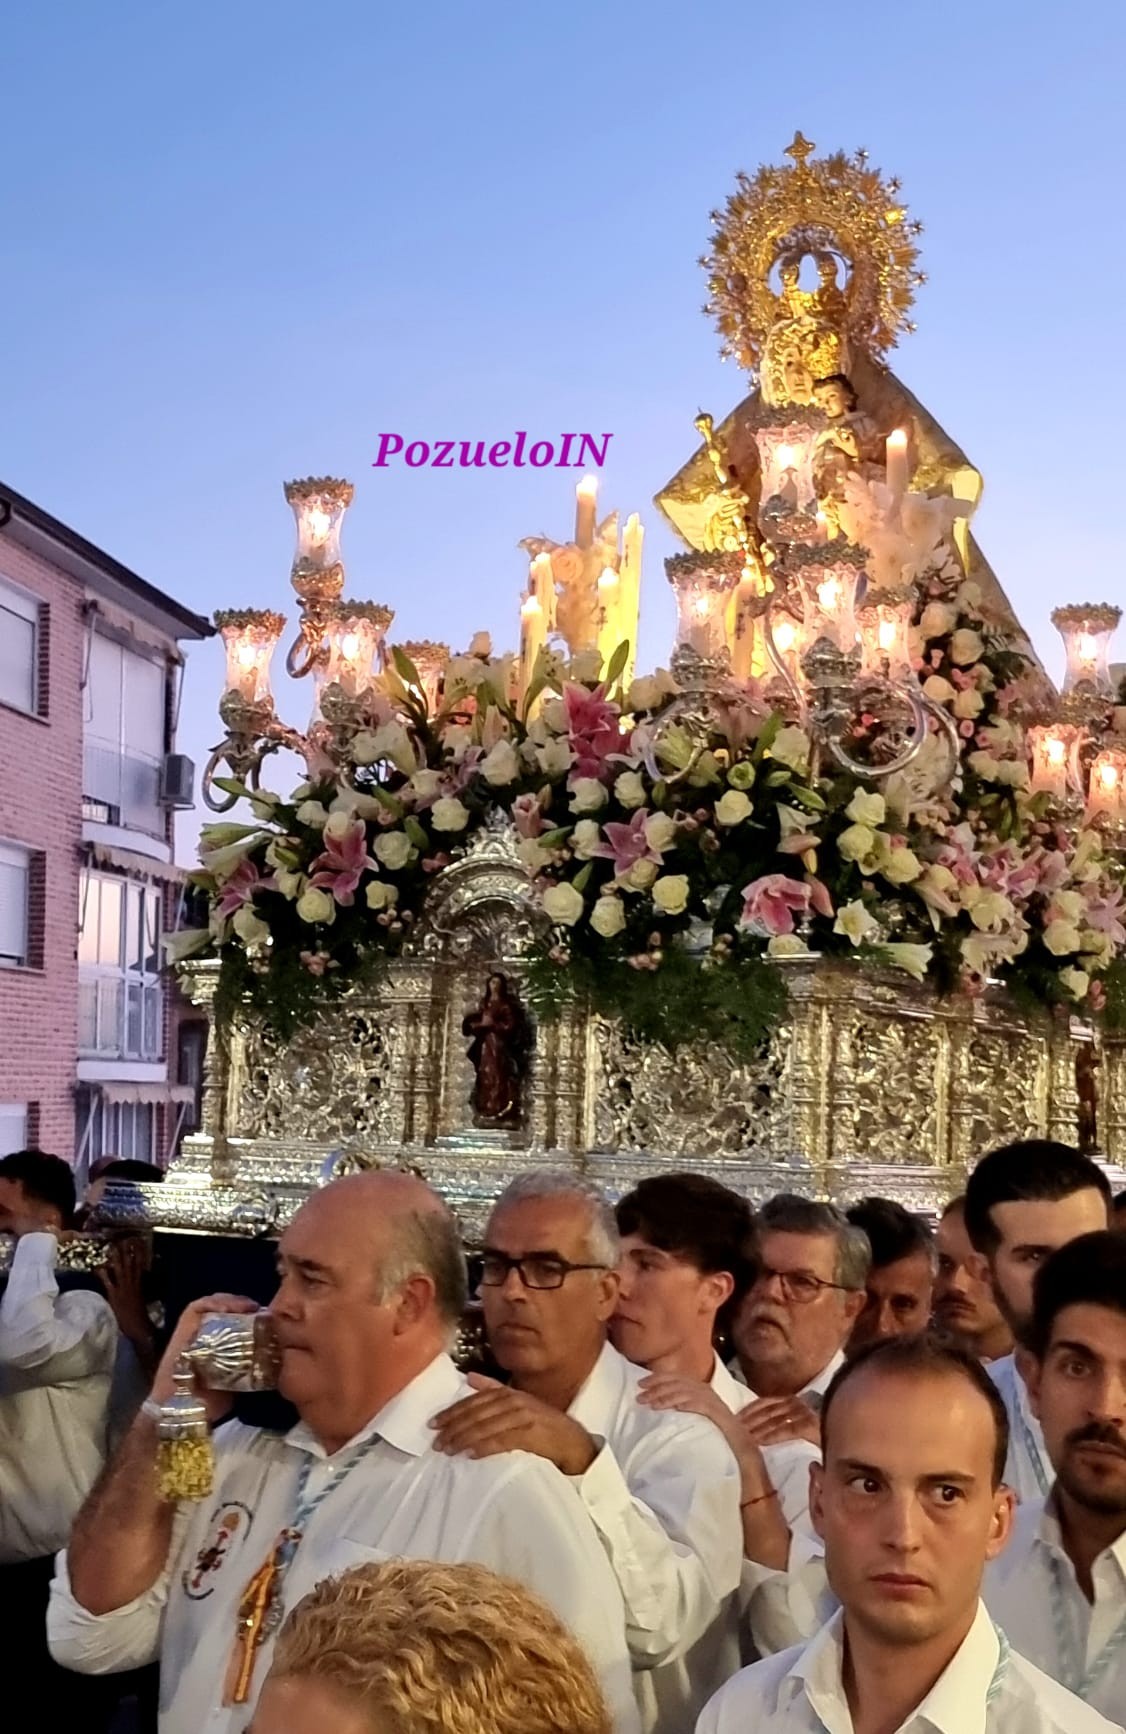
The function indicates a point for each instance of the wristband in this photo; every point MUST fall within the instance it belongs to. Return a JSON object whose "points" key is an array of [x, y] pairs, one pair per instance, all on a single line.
{"points": [[747, 1503]]}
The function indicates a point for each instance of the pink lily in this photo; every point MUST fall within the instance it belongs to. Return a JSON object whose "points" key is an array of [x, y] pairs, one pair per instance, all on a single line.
{"points": [[241, 887], [771, 903], [527, 815], [342, 865], [1104, 914], [593, 728], [625, 845]]}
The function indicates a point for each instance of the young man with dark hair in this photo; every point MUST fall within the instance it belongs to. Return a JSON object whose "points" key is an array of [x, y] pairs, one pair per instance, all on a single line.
{"points": [[56, 1362], [963, 1299], [1023, 1202], [1059, 1590], [910, 1514], [900, 1285]]}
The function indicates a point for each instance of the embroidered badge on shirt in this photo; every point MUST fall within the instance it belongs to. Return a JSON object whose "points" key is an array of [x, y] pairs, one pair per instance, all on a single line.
{"points": [[225, 1525]]}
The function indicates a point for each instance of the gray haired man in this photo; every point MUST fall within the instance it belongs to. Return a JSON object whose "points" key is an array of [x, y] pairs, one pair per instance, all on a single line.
{"points": [[662, 1488], [811, 1265]]}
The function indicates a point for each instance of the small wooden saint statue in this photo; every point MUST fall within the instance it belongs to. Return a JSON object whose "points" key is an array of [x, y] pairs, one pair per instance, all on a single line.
{"points": [[498, 1052]]}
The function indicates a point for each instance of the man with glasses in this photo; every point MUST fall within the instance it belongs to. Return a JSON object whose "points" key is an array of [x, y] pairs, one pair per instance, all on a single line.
{"points": [[661, 1488], [811, 1266]]}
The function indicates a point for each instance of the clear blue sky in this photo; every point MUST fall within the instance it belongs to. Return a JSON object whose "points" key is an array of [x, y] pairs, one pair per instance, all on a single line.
{"points": [[242, 239]]}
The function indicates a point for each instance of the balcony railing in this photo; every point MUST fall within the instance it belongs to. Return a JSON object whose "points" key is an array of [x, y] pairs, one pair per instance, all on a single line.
{"points": [[127, 783]]}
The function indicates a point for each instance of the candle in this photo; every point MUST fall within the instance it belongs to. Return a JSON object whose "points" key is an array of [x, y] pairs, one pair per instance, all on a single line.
{"points": [[629, 589], [1106, 796], [609, 607], [897, 462], [542, 587], [533, 637], [1050, 751], [586, 495]]}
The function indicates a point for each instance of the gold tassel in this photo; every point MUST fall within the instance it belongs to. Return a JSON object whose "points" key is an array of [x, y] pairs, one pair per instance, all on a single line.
{"points": [[185, 1458]]}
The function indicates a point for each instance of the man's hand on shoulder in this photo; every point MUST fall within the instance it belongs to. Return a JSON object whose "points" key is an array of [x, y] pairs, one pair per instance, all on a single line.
{"points": [[497, 1418]]}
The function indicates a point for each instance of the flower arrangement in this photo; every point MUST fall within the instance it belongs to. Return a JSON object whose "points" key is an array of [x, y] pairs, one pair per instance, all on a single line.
{"points": [[676, 864]]}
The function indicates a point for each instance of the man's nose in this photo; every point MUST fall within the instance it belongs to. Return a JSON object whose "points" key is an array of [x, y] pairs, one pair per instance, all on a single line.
{"points": [[1107, 1396], [885, 1324], [902, 1525], [512, 1288], [285, 1304]]}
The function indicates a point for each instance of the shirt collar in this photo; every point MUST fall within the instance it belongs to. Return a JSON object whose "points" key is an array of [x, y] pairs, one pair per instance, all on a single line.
{"points": [[957, 1703], [730, 1390], [602, 1390], [817, 1387], [402, 1421], [1048, 1534]]}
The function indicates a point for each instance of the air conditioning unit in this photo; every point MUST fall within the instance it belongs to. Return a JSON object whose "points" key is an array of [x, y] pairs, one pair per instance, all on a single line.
{"points": [[177, 782]]}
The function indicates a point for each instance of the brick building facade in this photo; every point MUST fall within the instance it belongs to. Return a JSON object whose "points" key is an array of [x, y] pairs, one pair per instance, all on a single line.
{"points": [[90, 667]]}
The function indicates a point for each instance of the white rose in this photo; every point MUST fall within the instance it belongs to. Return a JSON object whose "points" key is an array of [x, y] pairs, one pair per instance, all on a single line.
{"points": [[938, 690], [1069, 905], [312, 813], [449, 814], [1061, 937], [966, 646], [585, 838], [857, 842], [630, 790], [249, 927], [532, 853], [641, 875], [502, 766], [588, 795], [316, 905], [732, 808], [1075, 982], [337, 826], [554, 714], [564, 904], [660, 831], [380, 895], [554, 758], [969, 704], [787, 945], [424, 785], [670, 893], [937, 620], [393, 849], [856, 922], [791, 747], [867, 808], [608, 917], [290, 885], [649, 691], [902, 866]]}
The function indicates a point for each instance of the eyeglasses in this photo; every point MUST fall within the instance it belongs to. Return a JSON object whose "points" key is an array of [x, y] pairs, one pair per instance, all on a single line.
{"points": [[535, 1269], [798, 1286]]}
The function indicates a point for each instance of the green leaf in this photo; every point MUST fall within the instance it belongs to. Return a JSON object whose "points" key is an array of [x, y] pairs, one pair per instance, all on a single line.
{"points": [[406, 668], [775, 779], [415, 832], [616, 664], [582, 877], [232, 786], [768, 734], [808, 798], [386, 799], [553, 839]]}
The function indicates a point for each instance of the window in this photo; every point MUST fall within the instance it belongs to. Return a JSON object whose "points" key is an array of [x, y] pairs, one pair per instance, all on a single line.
{"points": [[125, 1129], [13, 1127], [15, 906], [125, 734], [21, 634], [120, 988]]}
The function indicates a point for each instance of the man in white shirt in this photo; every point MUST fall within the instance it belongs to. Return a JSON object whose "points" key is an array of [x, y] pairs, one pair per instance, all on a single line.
{"points": [[662, 1488], [1059, 1589], [909, 1513], [1023, 1202], [964, 1304], [372, 1288], [791, 1329], [56, 1363]]}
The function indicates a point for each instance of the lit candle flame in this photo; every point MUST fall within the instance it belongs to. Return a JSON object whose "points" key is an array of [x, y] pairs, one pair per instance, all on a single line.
{"points": [[247, 655], [897, 439], [785, 636], [318, 523], [1088, 647], [587, 489], [1108, 776], [829, 594], [887, 634], [530, 607], [785, 456], [1056, 749], [607, 578]]}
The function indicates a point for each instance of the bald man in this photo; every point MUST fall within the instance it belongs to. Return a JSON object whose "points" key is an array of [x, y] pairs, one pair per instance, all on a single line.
{"points": [[372, 1288]]}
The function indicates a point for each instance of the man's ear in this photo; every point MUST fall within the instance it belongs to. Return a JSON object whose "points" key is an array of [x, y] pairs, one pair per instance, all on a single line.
{"points": [[854, 1304], [717, 1288], [609, 1287], [816, 1500], [1001, 1523]]}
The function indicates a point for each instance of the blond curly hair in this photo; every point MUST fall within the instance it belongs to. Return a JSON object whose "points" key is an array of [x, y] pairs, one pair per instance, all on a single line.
{"points": [[442, 1649]]}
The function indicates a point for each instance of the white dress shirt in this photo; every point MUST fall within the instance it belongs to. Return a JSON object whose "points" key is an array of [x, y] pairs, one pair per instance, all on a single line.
{"points": [[664, 1496], [1032, 1593], [813, 1393], [801, 1692], [1028, 1468], [56, 1362], [512, 1512]]}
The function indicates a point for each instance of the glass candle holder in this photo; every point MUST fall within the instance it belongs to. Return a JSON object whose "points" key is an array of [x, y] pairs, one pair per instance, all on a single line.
{"points": [[1086, 629], [885, 640], [250, 636], [1051, 749], [703, 591], [786, 462], [319, 504], [353, 636], [1106, 791], [828, 596]]}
